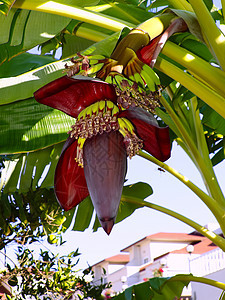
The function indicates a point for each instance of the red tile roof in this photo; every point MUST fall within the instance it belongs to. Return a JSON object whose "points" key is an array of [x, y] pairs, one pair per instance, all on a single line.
{"points": [[116, 259], [119, 258], [202, 247], [168, 237], [142, 268]]}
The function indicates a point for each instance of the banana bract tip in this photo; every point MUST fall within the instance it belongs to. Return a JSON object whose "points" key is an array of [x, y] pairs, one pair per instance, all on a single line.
{"points": [[107, 224]]}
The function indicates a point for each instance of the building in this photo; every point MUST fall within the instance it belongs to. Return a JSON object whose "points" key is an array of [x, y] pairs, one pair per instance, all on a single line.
{"points": [[161, 254], [211, 265]]}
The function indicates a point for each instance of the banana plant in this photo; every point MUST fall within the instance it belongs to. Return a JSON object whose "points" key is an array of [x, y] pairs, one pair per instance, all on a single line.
{"points": [[94, 158], [157, 65]]}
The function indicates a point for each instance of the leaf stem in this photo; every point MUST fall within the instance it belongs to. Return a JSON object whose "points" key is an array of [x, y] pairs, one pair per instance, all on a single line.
{"points": [[217, 210], [218, 240], [207, 172], [73, 12], [202, 91], [156, 25], [223, 8], [213, 76], [204, 280], [214, 37], [169, 92], [181, 4], [90, 34], [200, 137], [116, 8], [8, 258]]}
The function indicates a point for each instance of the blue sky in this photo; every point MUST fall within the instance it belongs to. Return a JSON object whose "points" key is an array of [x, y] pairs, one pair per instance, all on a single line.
{"points": [[168, 192]]}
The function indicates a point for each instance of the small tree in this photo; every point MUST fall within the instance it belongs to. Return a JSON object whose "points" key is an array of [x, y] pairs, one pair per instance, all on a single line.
{"points": [[49, 277]]}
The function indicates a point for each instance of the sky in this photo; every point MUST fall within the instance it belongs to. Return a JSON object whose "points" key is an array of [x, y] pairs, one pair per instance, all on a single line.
{"points": [[167, 191]]}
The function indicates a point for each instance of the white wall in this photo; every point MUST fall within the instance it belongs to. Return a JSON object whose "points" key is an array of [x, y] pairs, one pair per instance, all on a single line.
{"points": [[209, 265], [145, 252], [177, 263], [151, 249], [135, 256], [208, 262], [126, 276], [98, 271], [114, 267], [148, 271], [160, 248], [206, 292], [138, 253], [115, 279]]}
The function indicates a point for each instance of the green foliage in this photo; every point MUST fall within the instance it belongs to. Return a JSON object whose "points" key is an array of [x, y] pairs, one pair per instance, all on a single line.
{"points": [[49, 277], [155, 289], [28, 199], [83, 215], [29, 211], [22, 63], [5, 6], [222, 296], [24, 29], [74, 44], [215, 131], [31, 126], [191, 43], [209, 4], [25, 171], [129, 11], [159, 3], [27, 217], [138, 191]]}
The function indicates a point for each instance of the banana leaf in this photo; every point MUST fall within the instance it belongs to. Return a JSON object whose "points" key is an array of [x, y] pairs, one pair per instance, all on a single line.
{"points": [[22, 30], [156, 289], [83, 215]]}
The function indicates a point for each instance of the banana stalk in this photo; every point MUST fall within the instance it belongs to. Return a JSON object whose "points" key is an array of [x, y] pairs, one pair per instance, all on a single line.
{"points": [[217, 210], [73, 12], [207, 74], [218, 240], [180, 4], [207, 173], [210, 97], [223, 8], [213, 35], [90, 34]]}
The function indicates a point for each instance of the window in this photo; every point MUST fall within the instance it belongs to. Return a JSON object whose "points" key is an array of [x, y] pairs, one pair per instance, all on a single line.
{"points": [[145, 260]]}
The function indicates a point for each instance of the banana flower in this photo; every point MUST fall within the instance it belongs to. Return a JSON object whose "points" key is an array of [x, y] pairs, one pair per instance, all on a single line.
{"points": [[94, 158]]}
